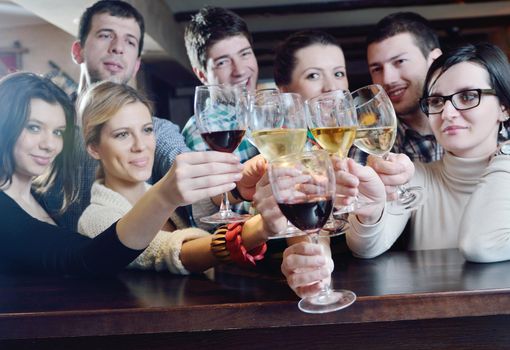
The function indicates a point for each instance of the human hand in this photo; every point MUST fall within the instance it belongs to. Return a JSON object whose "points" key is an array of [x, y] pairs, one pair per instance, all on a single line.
{"points": [[254, 169], [353, 179], [198, 175], [306, 268], [273, 220], [394, 171]]}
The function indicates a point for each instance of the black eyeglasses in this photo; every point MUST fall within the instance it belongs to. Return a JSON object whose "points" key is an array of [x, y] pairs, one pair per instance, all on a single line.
{"points": [[461, 100]]}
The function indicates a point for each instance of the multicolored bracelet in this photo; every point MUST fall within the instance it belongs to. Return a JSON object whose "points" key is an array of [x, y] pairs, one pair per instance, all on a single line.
{"points": [[227, 246]]}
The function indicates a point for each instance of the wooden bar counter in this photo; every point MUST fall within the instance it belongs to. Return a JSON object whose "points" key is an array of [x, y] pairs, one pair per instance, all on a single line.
{"points": [[406, 300]]}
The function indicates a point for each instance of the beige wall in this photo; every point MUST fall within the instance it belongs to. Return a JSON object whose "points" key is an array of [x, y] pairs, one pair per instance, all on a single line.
{"points": [[44, 42]]}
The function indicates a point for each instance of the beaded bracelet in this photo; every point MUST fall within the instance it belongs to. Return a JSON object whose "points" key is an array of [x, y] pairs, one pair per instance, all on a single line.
{"points": [[227, 246]]}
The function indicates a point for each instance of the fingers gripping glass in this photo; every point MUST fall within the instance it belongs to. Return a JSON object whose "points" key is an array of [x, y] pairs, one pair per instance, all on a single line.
{"points": [[220, 112], [304, 188], [376, 135], [462, 100]]}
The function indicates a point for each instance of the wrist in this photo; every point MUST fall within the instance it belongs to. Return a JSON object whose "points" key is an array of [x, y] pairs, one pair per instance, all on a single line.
{"points": [[227, 246], [254, 232], [371, 218], [163, 198], [237, 195]]}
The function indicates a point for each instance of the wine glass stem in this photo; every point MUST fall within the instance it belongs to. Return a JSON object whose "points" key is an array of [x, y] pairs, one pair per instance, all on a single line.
{"points": [[326, 287], [225, 204], [402, 192]]}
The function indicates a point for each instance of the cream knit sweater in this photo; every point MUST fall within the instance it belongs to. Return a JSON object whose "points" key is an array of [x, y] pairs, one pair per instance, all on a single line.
{"points": [[467, 206], [107, 206]]}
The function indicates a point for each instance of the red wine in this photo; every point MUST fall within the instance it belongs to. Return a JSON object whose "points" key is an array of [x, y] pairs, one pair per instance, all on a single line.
{"points": [[309, 215], [223, 141]]}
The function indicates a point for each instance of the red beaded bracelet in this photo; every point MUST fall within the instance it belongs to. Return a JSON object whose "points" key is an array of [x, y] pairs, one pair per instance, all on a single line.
{"points": [[229, 237]]}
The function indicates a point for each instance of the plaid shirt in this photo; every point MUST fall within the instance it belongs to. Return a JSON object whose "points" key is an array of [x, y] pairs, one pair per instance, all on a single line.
{"points": [[194, 141], [423, 148]]}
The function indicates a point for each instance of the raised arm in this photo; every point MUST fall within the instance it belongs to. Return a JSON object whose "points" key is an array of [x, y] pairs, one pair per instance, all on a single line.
{"points": [[372, 231], [194, 176]]}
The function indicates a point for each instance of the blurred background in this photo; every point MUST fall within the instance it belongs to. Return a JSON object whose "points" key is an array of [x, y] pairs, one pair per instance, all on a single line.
{"points": [[36, 35]]}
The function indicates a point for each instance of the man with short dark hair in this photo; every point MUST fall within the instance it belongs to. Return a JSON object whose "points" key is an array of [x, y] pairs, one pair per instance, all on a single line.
{"points": [[109, 45], [400, 50], [219, 47]]}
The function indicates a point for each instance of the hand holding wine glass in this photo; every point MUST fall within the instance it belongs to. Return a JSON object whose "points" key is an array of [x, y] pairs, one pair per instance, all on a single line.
{"points": [[307, 267], [396, 169], [376, 135], [304, 187], [221, 114], [273, 220]]}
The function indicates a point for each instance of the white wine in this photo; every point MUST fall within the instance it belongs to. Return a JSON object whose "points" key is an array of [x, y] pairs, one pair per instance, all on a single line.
{"points": [[336, 139], [273, 143], [376, 141]]}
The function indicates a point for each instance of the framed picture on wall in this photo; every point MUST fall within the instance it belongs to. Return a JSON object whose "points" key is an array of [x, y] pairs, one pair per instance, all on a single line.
{"points": [[10, 58]]}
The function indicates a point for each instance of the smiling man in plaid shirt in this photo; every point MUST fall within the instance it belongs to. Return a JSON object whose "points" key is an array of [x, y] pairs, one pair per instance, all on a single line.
{"points": [[219, 47], [400, 50]]}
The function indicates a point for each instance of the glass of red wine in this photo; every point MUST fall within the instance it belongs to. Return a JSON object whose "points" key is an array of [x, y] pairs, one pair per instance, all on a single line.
{"points": [[304, 188], [221, 115]]}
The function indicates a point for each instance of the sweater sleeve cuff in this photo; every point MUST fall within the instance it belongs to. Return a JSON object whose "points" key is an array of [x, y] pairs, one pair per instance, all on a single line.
{"points": [[366, 230], [178, 237]]}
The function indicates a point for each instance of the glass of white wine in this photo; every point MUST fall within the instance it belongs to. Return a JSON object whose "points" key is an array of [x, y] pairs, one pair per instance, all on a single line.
{"points": [[332, 121], [277, 127], [377, 130]]}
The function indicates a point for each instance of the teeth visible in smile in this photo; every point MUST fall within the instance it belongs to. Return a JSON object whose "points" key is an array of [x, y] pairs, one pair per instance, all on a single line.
{"points": [[396, 92]]}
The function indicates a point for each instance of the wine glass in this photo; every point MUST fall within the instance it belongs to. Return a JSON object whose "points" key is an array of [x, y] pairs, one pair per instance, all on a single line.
{"points": [[221, 115], [377, 130], [332, 121], [304, 188], [277, 127]]}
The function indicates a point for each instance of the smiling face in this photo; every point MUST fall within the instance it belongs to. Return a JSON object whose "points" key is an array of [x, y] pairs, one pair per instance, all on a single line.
{"points": [[319, 68], [230, 61], [41, 140], [398, 65], [469, 133], [110, 51], [126, 146]]}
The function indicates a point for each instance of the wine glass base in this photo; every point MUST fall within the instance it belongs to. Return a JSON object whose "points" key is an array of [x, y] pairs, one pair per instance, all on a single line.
{"points": [[226, 217], [333, 300], [411, 200], [291, 231], [335, 226]]}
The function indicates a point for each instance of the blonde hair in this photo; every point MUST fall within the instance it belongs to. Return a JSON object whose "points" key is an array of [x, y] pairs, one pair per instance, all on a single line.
{"points": [[99, 103]]}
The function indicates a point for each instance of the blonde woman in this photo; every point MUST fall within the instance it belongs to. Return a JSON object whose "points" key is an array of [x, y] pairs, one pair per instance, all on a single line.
{"points": [[36, 146], [118, 132]]}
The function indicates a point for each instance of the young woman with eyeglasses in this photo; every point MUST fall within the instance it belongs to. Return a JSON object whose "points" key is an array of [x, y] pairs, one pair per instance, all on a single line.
{"points": [[467, 99]]}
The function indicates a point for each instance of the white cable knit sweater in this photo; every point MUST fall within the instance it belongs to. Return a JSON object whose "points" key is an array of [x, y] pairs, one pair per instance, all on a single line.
{"points": [[467, 206], [107, 206]]}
